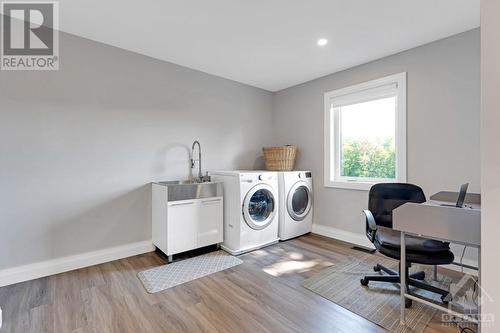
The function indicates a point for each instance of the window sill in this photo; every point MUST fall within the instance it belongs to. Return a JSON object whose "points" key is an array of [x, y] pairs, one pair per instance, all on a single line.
{"points": [[360, 186]]}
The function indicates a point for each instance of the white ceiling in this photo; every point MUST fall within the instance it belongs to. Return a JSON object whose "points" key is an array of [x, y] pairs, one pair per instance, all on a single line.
{"points": [[269, 44]]}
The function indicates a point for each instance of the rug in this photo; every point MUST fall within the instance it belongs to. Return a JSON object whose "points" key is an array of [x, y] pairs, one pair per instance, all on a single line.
{"points": [[171, 275], [378, 302]]}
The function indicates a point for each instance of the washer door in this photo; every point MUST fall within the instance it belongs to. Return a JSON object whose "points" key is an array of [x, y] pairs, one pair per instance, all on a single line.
{"points": [[299, 201], [259, 206]]}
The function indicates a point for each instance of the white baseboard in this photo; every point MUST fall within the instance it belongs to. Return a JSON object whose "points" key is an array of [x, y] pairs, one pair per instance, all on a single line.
{"points": [[343, 235], [55, 266], [361, 241]]}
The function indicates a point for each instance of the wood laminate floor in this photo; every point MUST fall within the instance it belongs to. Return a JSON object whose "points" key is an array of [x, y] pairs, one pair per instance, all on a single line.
{"points": [[264, 294]]}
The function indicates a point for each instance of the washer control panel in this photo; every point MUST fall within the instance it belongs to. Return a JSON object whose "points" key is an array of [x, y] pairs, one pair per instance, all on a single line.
{"points": [[257, 177]]}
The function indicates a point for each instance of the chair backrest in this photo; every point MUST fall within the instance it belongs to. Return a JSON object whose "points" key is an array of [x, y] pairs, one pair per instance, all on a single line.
{"points": [[385, 197]]}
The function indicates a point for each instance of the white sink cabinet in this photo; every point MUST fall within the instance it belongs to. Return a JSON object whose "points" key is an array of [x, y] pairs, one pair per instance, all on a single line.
{"points": [[183, 225]]}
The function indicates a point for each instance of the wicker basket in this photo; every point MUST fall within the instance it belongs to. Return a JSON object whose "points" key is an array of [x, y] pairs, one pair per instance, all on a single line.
{"points": [[280, 158]]}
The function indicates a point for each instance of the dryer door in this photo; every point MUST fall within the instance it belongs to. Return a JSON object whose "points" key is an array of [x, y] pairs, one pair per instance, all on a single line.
{"points": [[259, 206], [299, 201]]}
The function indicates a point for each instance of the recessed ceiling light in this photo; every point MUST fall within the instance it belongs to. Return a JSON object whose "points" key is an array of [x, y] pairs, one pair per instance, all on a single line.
{"points": [[322, 41]]}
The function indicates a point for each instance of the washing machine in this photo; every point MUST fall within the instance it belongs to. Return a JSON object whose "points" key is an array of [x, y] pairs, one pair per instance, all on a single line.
{"points": [[250, 209], [295, 203]]}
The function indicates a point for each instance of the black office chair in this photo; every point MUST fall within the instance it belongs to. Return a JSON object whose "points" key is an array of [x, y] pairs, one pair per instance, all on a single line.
{"points": [[383, 199]]}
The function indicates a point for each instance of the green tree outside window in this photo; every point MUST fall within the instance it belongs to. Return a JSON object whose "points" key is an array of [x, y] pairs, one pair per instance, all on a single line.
{"points": [[369, 158]]}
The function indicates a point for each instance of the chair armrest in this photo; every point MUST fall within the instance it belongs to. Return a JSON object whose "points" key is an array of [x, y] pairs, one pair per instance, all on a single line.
{"points": [[371, 226]]}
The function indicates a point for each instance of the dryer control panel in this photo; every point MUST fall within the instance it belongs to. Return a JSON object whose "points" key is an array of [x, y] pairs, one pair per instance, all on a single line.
{"points": [[304, 174]]}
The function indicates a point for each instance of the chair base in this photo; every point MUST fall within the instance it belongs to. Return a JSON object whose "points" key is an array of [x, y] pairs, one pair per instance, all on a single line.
{"points": [[415, 280]]}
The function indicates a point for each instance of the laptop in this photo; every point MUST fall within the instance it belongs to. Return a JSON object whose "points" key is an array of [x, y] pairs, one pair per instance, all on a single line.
{"points": [[461, 197]]}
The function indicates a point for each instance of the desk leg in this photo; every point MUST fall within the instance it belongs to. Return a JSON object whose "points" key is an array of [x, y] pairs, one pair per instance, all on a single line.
{"points": [[479, 329], [402, 272]]}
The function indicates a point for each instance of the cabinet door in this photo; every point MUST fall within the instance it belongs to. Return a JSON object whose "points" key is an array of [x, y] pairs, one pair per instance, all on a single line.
{"points": [[210, 223], [182, 226]]}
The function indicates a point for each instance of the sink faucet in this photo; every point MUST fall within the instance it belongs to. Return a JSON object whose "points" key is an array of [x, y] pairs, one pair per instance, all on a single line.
{"points": [[200, 175]]}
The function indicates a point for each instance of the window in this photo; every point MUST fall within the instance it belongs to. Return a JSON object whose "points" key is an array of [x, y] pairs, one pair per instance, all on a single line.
{"points": [[365, 133]]}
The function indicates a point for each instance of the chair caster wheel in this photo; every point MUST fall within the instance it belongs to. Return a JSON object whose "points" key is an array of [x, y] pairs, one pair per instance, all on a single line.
{"points": [[446, 299], [418, 276], [376, 268], [364, 282], [408, 303]]}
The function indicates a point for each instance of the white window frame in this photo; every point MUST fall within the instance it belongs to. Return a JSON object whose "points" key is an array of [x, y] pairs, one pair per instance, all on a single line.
{"points": [[371, 90]]}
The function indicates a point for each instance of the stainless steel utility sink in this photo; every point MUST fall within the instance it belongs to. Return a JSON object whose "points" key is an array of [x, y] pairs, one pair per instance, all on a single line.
{"points": [[189, 190]]}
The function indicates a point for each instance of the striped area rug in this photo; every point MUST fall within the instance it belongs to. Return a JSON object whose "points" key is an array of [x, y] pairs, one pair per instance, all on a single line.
{"points": [[378, 302]]}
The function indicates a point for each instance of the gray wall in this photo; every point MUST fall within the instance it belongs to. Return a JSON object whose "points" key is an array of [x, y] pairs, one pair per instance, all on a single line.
{"points": [[490, 163], [78, 145], [442, 116]]}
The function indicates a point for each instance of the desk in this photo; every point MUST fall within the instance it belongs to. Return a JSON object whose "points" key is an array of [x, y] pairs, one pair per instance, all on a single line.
{"points": [[438, 219]]}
